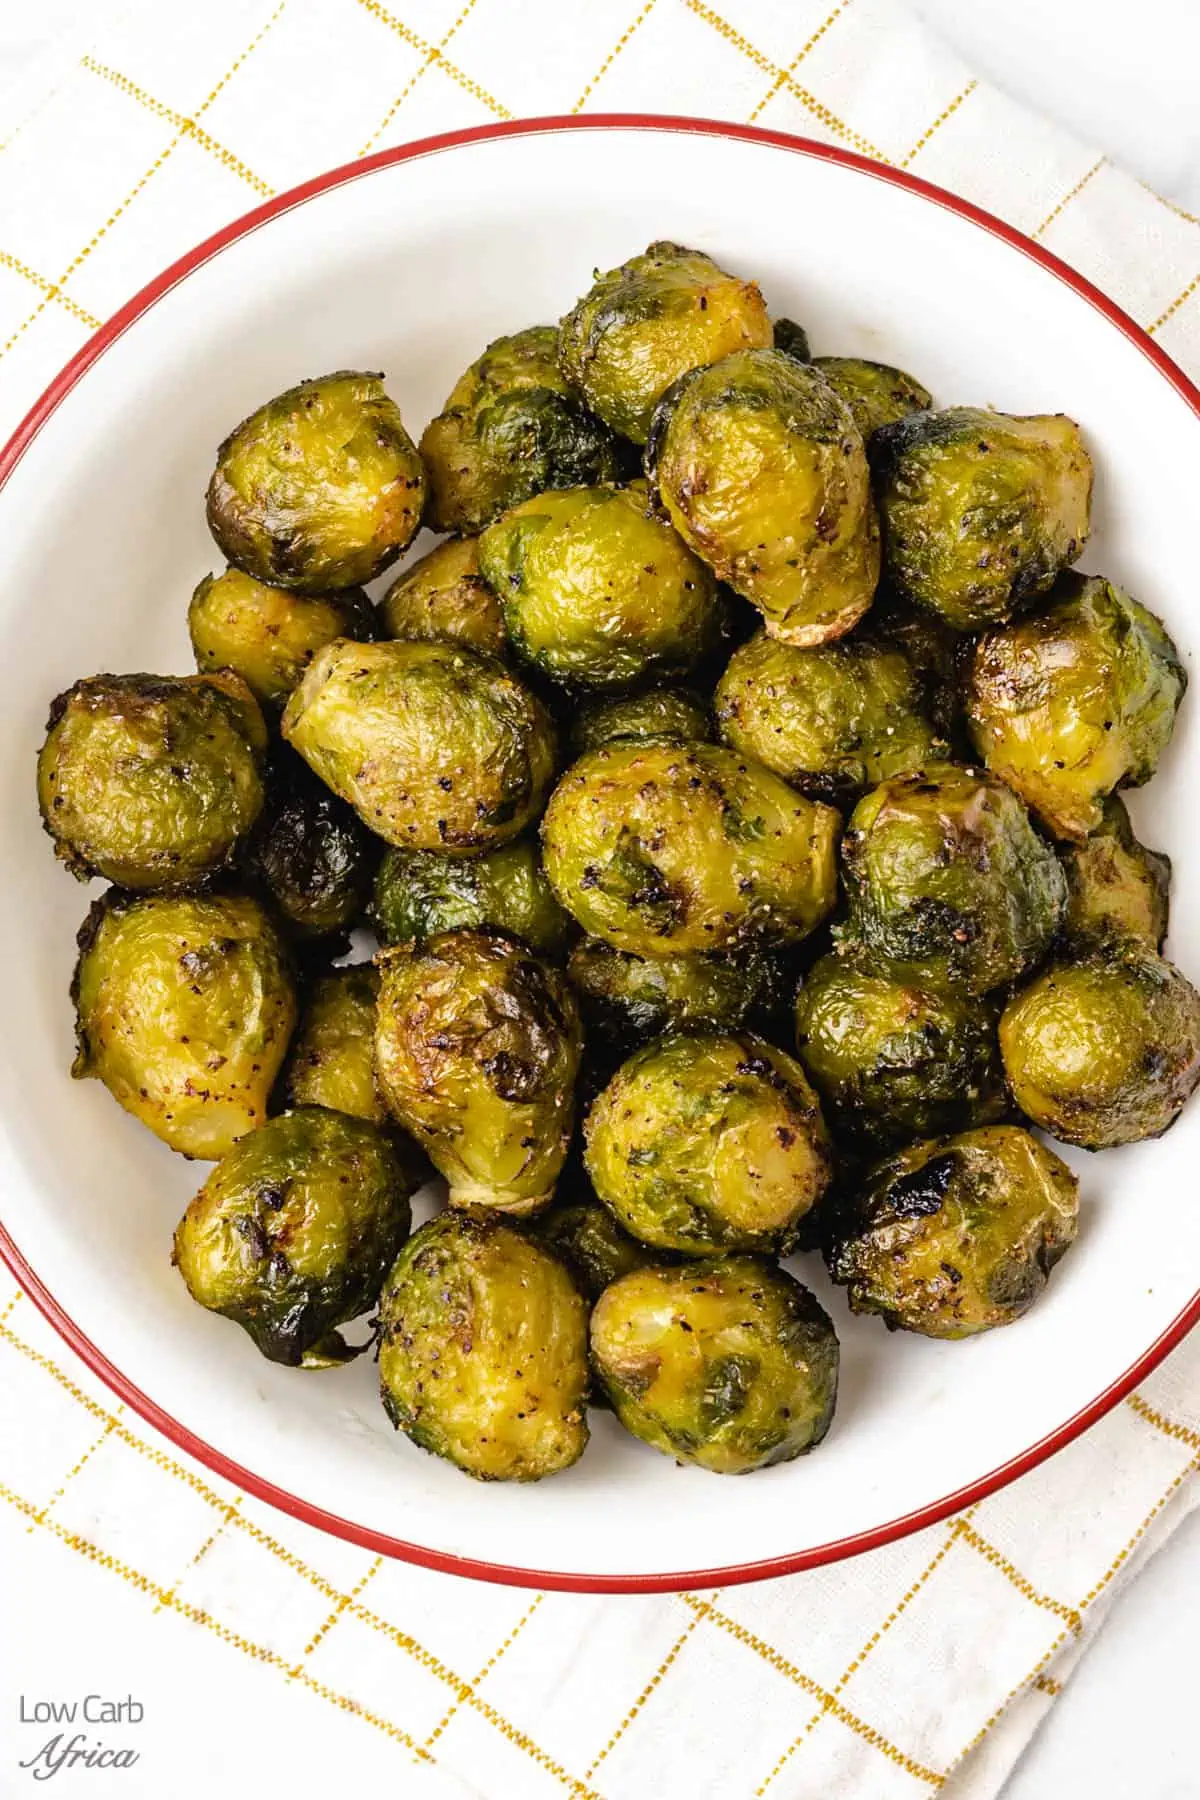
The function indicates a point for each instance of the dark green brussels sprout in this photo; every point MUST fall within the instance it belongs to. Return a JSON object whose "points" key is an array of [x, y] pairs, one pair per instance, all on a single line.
{"points": [[294, 1231], [332, 1058], [894, 1060], [184, 1007], [958, 1234], [320, 488], [832, 719], [444, 596], [662, 848], [512, 427], [419, 893], [588, 1239], [641, 326], [1116, 888], [792, 339], [1104, 1050], [876, 393], [726, 1363], [627, 998], [670, 712], [483, 1350], [934, 652], [762, 471], [980, 510], [434, 746], [948, 880], [268, 635], [1075, 702], [151, 780], [711, 1142], [309, 852], [598, 591], [477, 1048]]}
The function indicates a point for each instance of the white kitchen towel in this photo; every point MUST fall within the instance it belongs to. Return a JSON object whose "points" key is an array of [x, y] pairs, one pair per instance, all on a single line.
{"points": [[919, 1667]]}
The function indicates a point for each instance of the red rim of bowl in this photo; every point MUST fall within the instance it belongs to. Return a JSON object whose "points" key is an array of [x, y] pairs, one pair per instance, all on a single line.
{"points": [[171, 1428]]}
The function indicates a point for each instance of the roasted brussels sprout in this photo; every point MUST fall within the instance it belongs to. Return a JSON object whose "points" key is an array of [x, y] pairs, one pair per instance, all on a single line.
{"points": [[594, 1247], [1116, 888], [627, 998], [332, 1058], [294, 1231], [1104, 1050], [184, 1007], [419, 893], [948, 880], [711, 1142], [892, 1060], [727, 1363], [444, 596], [1075, 702], [669, 712], [762, 471], [320, 488], [832, 719], [639, 327], [958, 1234], [268, 635], [980, 510], [876, 393], [309, 852], [151, 780], [662, 848], [512, 427], [483, 1350], [435, 747], [792, 339], [476, 1050], [934, 651]]}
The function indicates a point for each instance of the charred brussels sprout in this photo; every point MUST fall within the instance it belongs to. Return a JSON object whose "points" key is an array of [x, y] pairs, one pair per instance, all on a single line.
{"points": [[792, 339], [435, 747], [949, 881], [320, 488], [184, 1007], [894, 1060], [659, 712], [511, 428], [1116, 888], [444, 596], [727, 1363], [762, 470], [712, 1142], [483, 1350], [661, 848], [832, 719], [641, 326], [959, 1234], [1075, 702], [876, 393], [628, 998], [980, 510], [1105, 1050], [477, 1048], [419, 893], [332, 1058], [310, 852], [268, 635], [294, 1231], [151, 780], [598, 591]]}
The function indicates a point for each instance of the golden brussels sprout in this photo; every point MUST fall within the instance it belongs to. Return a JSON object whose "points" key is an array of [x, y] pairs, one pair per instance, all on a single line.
{"points": [[320, 488], [435, 747], [1075, 702], [712, 1142], [727, 1363], [663, 848], [483, 1350], [598, 591], [268, 635], [1116, 888], [762, 470], [958, 1234], [792, 339], [894, 1060], [309, 852], [980, 510], [627, 998], [419, 893], [876, 393], [184, 1007], [832, 719], [512, 427], [294, 1231], [1105, 1050], [444, 596], [332, 1058], [476, 1050], [151, 780], [669, 712], [949, 881], [641, 326]]}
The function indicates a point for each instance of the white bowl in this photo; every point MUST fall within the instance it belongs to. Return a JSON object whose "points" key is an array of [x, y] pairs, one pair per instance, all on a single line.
{"points": [[410, 262]]}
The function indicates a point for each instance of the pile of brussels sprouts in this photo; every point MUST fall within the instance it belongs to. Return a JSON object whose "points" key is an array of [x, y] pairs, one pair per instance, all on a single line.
{"points": [[734, 796]]}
